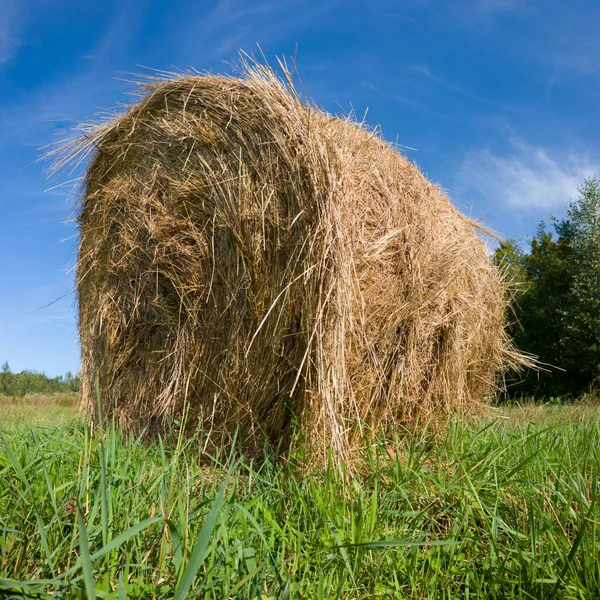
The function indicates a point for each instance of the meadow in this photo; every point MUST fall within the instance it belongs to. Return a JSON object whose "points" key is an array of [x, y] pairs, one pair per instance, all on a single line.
{"points": [[505, 507]]}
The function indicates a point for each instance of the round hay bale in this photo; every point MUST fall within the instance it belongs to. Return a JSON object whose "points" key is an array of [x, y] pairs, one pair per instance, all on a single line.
{"points": [[248, 261]]}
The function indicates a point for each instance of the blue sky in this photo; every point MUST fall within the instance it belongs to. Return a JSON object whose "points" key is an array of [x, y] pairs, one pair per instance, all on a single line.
{"points": [[496, 100]]}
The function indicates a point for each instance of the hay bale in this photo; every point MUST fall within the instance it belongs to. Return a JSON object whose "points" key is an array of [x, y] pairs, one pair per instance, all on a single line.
{"points": [[248, 260]]}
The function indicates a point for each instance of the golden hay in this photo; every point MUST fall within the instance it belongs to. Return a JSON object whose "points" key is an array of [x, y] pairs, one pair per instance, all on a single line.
{"points": [[248, 260]]}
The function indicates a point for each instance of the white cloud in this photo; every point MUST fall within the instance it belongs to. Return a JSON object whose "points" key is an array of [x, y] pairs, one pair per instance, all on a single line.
{"points": [[529, 177]]}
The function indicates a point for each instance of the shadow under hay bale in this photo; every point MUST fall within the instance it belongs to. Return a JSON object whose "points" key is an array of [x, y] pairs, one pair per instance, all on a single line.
{"points": [[248, 260]]}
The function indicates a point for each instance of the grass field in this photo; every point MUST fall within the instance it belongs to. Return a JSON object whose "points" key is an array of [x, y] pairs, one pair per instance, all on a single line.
{"points": [[505, 508], [37, 410]]}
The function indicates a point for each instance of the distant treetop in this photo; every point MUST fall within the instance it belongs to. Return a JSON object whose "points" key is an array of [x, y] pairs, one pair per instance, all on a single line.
{"points": [[31, 382]]}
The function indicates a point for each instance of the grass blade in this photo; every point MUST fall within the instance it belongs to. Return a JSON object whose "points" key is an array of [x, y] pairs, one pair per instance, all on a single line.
{"points": [[200, 545], [86, 563]]}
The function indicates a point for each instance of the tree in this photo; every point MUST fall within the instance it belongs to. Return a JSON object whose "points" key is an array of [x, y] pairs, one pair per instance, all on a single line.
{"points": [[557, 298], [511, 260], [4, 377], [581, 228], [540, 282]]}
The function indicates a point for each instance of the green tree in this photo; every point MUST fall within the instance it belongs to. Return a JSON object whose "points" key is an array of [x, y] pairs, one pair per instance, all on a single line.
{"points": [[539, 283], [581, 229], [5, 376], [511, 260], [556, 289]]}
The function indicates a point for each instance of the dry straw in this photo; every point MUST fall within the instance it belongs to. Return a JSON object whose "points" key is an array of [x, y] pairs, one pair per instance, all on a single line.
{"points": [[251, 262]]}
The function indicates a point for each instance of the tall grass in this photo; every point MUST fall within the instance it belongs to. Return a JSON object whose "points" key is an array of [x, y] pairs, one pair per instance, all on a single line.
{"points": [[38, 409], [502, 510]]}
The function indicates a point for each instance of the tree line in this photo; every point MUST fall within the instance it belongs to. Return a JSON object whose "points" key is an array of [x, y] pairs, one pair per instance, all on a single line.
{"points": [[555, 308], [31, 382]]}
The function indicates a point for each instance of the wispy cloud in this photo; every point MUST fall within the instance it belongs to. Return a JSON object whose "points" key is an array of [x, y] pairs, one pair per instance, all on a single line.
{"points": [[61, 102], [424, 70], [64, 322], [500, 6], [9, 39], [233, 25], [580, 53], [529, 177], [474, 12], [412, 103]]}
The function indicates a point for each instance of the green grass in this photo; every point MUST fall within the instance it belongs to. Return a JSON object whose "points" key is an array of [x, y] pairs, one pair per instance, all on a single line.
{"points": [[41, 410], [504, 509]]}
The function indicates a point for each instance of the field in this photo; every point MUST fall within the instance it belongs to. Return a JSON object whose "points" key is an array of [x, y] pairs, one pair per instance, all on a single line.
{"points": [[503, 508]]}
